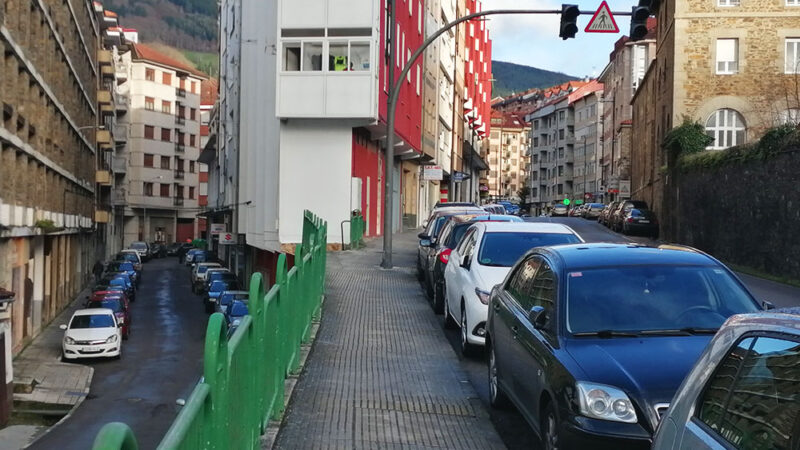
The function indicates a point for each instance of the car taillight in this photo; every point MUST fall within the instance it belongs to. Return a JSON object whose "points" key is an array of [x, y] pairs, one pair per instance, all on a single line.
{"points": [[444, 255], [629, 220]]}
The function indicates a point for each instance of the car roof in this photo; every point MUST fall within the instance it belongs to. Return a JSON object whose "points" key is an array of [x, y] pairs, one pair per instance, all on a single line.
{"points": [[597, 255], [458, 210], [93, 311], [496, 218], [526, 227], [128, 250], [235, 292], [213, 264]]}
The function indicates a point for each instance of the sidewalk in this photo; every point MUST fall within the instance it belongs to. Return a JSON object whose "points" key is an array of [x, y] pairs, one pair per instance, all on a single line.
{"points": [[381, 374], [53, 383]]}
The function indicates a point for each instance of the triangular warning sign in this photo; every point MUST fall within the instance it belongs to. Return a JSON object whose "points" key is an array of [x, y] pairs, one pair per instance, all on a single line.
{"points": [[602, 21]]}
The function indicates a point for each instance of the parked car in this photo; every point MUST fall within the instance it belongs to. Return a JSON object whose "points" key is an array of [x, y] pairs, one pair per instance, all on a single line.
{"points": [[215, 289], [157, 250], [433, 226], [116, 281], [91, 333], [189, 258], [214, 275], [440, 205], [742, 393], [511, 208], [450, 235], [592, 210], [226, 297], [142, 248], [640, 221], [204, 256], [130, 256], [605, 214], [494, 208], [618, 215], [181, 251], [199, 274], [482, 259], [124, 266], [593, 367], [118, 303], [576, 211], [559, 210], [234, 314]]}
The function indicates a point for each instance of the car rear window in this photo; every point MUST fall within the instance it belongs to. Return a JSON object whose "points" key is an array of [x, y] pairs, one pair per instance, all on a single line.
{"points": [[227, 298], [504, 249], [92, 321], [113, 304], [128, 257], [456, 235]]}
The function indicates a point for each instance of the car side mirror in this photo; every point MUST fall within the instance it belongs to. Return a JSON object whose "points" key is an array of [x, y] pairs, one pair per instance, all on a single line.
{"points": [[62, 326], [425, 223], [767, 305], [425, 242], [538, 317], [423, 236]]}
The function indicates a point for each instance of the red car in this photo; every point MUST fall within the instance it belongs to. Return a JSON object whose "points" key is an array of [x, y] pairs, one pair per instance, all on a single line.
{"points": [[117, 302]]}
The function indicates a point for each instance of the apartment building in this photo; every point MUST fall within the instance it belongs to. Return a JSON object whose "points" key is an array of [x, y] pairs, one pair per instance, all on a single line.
{"points": [[162, 181], [552, 150], [587, 105], [507, 158], [49, 149], [628, 63]]}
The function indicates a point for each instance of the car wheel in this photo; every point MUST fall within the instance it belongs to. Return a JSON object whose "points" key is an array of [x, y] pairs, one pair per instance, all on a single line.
{"points": [[467, 349], [549, 428], [438, 303], [428, 286], [449, 323], [209, 307], [497, 398]]}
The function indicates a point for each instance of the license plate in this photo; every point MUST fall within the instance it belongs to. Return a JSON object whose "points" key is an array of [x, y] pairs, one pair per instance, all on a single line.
{"points": [[88, 349], [644, 221]]}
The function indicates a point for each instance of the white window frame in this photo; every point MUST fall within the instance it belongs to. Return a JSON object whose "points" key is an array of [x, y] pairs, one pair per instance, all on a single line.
{"points": [[794, 42], [418, 81], [726, 67], [723, 126], [792, 2], [419, 16], [729, 3]]}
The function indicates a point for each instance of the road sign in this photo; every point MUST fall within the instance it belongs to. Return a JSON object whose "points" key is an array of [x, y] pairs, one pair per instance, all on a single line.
{"points": [[566, 201], [602, 21], [578, 202], [460, 176], [226, 239]]}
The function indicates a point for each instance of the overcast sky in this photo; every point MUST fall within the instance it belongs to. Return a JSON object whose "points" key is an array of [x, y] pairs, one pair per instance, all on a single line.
{"points": [[533, 39]]}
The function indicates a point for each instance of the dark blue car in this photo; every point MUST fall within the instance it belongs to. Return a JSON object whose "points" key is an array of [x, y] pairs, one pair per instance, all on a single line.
{"points": [[591, 341], [234, 314], [215, 289], [124, 266]]}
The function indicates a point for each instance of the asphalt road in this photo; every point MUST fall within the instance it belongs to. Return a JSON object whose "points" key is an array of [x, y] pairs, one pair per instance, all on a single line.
{"points": [[161, 362], [512, 427]]}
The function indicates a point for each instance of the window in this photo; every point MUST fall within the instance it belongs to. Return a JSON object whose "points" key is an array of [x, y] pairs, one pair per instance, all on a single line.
{"points": [[639, 64], [192, 114], [521, 280], [166, 134], [312, 57], [166, 107], [191, 140], [166, 78], [419, 17], [291, 57], [149, 103], [182, 83], [165, 162], [727, 56], [348, 56], [751, 399], [180, 138], [561, 115], [149, 132], [543, 293], [793, 54], [178, 164], [191, 166], [194, 87], [727, 128], [178, 191], [148, 189], [792, 2], [164, 190], [191, 191], [148, 160], [149, 74], [728, 2]]}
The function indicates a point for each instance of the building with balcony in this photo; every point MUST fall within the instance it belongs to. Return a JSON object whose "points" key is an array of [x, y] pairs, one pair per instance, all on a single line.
{"points": [[162, 178], [587, 106], [507, 156], [48, 155]]}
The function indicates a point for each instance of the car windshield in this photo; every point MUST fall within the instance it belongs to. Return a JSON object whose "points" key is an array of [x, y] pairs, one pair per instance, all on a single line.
{"points": [[114, 304], [115, 282], [203, 269], [139, 246], [128, 257], [504, 249], [653, 298], [456, 234], [635, 204], [220, 285], [92, 321]]}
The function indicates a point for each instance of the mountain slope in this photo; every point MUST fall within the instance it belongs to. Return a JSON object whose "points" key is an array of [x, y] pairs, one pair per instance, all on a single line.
{"points": [[510, 77]]}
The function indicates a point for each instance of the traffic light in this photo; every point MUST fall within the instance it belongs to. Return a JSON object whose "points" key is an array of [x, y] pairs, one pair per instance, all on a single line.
{"points": [[639, 22], [569, 15]]}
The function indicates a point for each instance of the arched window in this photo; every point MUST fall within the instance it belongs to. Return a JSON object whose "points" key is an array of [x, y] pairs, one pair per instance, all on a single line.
{"points": [[727, 128]]}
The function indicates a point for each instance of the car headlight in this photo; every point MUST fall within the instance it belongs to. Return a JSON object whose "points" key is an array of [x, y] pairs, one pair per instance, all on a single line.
{"points": [[111, 339], [483, 296], [600, 401], [69, 341]]}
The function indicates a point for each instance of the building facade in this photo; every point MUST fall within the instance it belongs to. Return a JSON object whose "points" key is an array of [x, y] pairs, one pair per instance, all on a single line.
{"points": [[552, 151], [586, 104], [732, 66], [51, 98], [162, 180], [508, 156]]}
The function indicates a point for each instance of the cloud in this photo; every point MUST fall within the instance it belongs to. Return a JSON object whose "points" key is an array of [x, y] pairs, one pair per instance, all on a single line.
{"points": [[533, 39]]}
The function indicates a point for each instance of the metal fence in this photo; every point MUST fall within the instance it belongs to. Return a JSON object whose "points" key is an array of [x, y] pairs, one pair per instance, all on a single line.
{"points": [[242, 388], [358, 226]]}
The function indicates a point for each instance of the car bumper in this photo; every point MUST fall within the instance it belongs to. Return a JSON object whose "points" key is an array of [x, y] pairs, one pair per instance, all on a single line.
{"points": [[477, 313], [582, 432], [91, 351]]}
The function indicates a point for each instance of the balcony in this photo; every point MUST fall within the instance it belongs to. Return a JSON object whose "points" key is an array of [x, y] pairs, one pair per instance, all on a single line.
{"points": [[180, 92], [107, 72], [178, 174], [179, 148], [121, 104], [119, 164], [103, 96], [102, 216], [179, 120], [121, 72], [104, 57], [120, 134], [103, 177], [104, 140], [177, 201], [106, 110], [118, 197]]}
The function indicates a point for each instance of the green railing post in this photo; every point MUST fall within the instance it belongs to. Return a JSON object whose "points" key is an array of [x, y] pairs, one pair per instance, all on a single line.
{"points": [[115, 436], [215, 373]]}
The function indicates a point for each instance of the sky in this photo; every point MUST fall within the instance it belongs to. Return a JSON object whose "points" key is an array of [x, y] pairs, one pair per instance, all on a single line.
{"points": [[533, 40]]}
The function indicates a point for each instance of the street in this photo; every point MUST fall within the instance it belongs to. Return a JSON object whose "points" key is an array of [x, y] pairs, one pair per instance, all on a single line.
{"points": [[161, 362]]}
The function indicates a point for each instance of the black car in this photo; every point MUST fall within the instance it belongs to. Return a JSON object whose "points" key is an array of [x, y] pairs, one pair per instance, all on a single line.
{"points": [[591, 341], [617, 215], [640, 221], [215, 275], [175, 247], [181, 252], [432, 228]]}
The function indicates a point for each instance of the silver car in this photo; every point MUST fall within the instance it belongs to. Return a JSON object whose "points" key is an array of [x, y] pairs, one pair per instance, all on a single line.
{"points": [[743, 392]]}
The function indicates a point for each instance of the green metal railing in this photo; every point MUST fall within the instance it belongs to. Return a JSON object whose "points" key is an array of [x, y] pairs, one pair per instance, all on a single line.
{"points": [[358, 226], [243, 377]]}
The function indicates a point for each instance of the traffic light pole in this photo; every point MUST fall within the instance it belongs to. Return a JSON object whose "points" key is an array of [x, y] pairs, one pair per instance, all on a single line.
{"points": [[394, 94]]}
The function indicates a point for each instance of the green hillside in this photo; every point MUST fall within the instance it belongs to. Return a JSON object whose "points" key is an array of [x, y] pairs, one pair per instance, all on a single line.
{"points": [[510, 78]]}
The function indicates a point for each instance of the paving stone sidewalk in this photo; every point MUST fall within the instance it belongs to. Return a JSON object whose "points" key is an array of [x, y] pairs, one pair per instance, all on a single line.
{"points": [[381, 373]]}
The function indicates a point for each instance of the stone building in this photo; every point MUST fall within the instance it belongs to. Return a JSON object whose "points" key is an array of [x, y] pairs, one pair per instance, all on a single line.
{"points": [[508, 156], [733, 66], [48, 154]]}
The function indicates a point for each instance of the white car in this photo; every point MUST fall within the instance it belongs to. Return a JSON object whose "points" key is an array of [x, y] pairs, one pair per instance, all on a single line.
{"points": [[199, 272], [481, 260], [92, 333]]}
